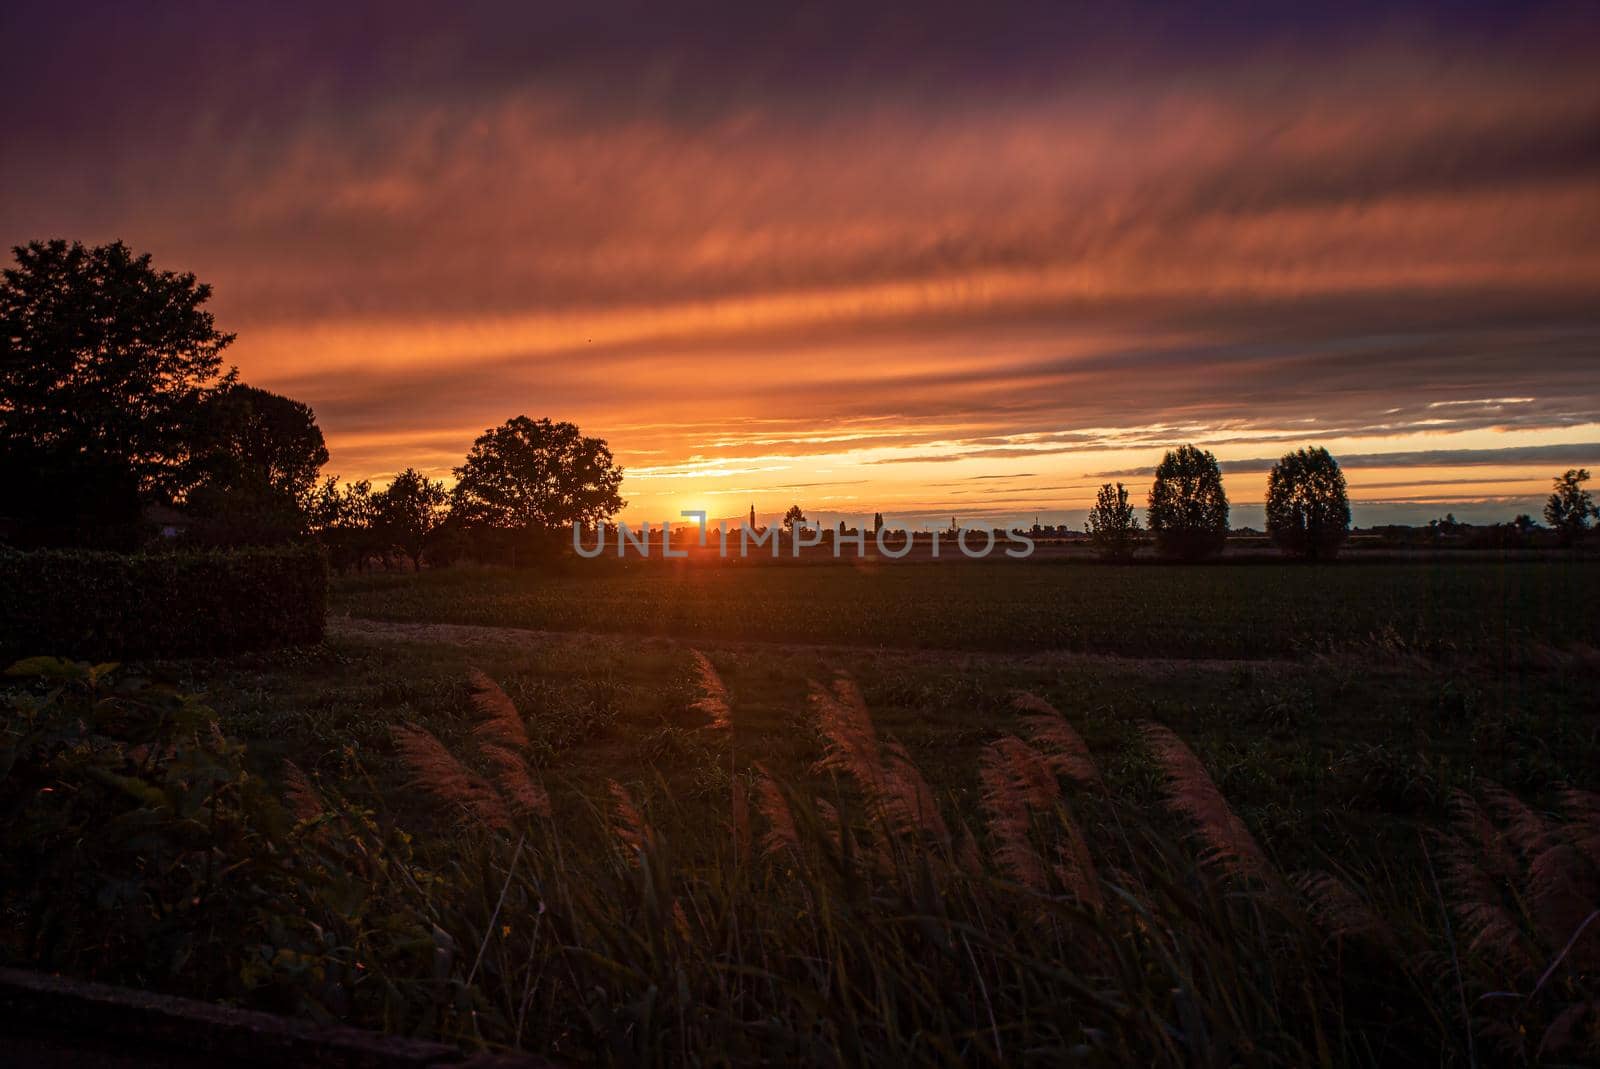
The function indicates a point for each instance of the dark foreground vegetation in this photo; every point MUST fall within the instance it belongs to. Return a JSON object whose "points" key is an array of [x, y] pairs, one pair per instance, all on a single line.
{"points": [[611, 848]]}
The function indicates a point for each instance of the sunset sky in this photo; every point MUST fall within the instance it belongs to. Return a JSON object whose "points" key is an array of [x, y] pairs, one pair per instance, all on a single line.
{"points": [[945, 259]]}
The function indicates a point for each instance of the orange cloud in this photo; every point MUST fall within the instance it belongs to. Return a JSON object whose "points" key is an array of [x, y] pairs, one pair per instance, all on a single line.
{"points": [[868, 291]]}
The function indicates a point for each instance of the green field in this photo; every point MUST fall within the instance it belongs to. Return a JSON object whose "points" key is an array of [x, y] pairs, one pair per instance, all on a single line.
{"points": [[1344, 714], [1314, 752], [1222, 611]]}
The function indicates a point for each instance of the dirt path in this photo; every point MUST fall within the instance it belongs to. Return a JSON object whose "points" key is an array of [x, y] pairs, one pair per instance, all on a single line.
{"points": [[362, 629]]}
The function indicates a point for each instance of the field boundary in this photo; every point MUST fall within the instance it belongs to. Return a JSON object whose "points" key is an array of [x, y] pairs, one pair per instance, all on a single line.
{"points": [[370, 629]]}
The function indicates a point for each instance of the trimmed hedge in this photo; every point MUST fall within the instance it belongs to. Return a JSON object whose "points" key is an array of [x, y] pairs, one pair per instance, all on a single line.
{"points": [[83, 603]]}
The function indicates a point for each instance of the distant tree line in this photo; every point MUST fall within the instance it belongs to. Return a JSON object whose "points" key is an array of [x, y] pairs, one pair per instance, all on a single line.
{"points": [[517, 494], [120, 426], [1307, 507]]}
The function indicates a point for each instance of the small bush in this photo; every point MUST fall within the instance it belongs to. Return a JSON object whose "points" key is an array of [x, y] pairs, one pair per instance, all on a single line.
{"points": [[92, 604]]}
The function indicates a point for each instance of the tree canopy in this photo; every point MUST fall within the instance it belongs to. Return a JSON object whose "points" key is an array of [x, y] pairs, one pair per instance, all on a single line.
{"points": [[535, 475], [410, 510], [104, 362], [103, 355], [344, 520], [254, 467], [1188, 509], [1308, 507], [251, 434]]}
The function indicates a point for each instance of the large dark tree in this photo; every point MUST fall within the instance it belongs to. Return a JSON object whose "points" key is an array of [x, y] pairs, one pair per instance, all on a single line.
{"points": [[103, 360], [535, 477], [1308, 508], [101, 353], [410, 511], [1188, 509], [256, 458]]}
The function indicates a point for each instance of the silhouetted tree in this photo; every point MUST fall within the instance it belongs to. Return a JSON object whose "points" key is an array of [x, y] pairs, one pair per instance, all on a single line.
{"points": [[1308, 507], [411, 511], [1188, 509], [1570, 506], [256, 457], [344, 520], [533, 477], [1112, 525], [103, 361], [792, 517]]}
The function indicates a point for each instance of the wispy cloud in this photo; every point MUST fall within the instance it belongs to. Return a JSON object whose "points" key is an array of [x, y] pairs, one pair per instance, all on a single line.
{"points": [[1574, 454]]}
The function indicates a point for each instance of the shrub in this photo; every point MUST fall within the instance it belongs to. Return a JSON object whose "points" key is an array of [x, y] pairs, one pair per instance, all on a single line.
{"points": [[139, 848], [1188, 508], [1308, 508], [93, 604]]}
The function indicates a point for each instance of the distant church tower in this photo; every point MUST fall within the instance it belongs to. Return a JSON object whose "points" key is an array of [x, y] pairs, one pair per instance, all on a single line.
{"points": [[752, 516]]}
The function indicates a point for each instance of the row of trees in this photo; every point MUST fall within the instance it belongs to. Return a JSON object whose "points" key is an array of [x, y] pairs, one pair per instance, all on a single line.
{"points": [[1187, 509], [520, 487], [114, 402], [1308, 508], [117, 417]]}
